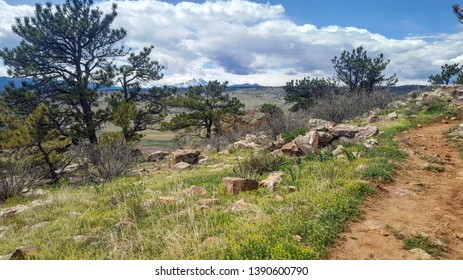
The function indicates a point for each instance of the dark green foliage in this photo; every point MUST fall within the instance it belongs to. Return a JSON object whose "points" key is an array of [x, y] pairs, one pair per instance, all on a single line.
{"points": [[304, 92], [360, 72], [67, 51], [134, 109], [204, 108], [34, 135], [458, 12], [272, 110], [447, 72], [291, 135]]}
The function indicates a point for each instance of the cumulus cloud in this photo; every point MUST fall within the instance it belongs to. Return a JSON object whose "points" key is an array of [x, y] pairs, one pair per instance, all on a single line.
{"points": [[243, 41]]}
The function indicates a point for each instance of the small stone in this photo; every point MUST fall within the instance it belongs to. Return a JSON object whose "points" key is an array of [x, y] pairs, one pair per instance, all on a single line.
{"points": [[167, 199], [195, 190], [402, 235], [392, 116], [339, 150], [208, 201], [272, 181], [370, 143], [182, 166], [23, 252], [278, 198], [420, 254], [239, 205], [361, 168], [385, 233], [80, 238], [203, 207], [290, 188], [297, 238], [419, 126], [75, 214], [39, 225]]}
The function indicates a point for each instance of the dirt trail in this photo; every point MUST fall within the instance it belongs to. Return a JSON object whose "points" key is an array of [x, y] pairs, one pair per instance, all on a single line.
{"points": [[419, 201]]}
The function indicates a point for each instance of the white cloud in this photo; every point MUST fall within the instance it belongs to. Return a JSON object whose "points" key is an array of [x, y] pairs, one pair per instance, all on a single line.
{"points": [[242, 41]]}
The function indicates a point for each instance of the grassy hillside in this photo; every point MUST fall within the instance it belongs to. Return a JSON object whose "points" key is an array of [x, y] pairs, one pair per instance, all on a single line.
{"points": [[148, 215]]}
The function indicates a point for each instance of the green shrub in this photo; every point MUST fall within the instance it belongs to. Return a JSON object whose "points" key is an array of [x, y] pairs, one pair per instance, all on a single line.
{"points": [[257, 164], [377, 174], [291, 135]]}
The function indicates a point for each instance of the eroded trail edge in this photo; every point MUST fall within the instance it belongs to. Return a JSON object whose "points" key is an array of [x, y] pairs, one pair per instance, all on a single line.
{"points": [[425, 203]]}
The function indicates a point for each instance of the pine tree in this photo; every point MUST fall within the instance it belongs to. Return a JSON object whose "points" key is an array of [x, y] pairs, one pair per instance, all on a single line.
{"points": [[204, 108], [134, 109], [360, 72], [67, 50]]}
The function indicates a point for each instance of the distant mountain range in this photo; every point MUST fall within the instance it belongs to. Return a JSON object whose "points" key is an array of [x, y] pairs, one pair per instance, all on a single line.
{"points": [[4, 81], [201, 82]]}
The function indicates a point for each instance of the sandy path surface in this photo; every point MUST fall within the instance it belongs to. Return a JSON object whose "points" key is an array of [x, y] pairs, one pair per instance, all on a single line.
{"points": [[419, 202]]}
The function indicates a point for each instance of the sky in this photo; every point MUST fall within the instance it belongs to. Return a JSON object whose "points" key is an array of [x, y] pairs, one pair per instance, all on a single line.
{"points": [[273, 42]]}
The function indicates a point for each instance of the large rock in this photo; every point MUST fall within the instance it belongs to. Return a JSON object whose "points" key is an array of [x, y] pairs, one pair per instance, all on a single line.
{"points": [[188, 156], [157, 156], [277, 144], [324, 139], [319, 125], [237, 185], [302, 145], [292, 149], [359, 133], [244, 144], [308, 143]]}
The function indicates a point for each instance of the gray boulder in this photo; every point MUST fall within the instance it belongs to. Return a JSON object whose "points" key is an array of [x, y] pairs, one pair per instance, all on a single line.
{"points": [[188, 156]]}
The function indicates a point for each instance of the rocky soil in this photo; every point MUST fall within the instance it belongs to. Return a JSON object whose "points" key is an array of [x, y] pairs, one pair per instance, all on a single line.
{"points": [[425, 200]]}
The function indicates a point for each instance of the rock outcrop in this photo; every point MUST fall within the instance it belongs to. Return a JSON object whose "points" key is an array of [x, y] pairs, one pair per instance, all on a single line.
{"points": [[188, 156]]}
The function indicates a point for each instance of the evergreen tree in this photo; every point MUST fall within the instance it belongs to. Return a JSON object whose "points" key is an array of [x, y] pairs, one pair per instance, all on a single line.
{"points": [[134, 108], [304, 92], [67, 50], [360, 72], [204, 109], [34, 139], [447, 72]]}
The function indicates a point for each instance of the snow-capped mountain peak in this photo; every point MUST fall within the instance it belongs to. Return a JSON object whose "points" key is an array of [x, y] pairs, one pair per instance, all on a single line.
{"points": [[192, 83]]}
